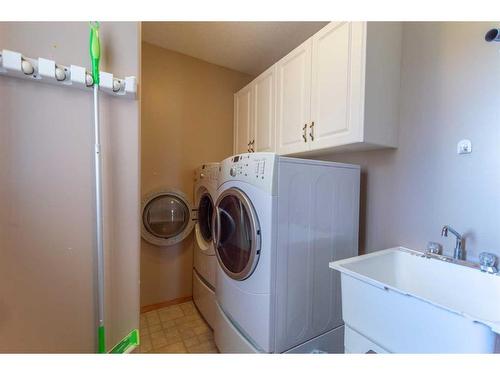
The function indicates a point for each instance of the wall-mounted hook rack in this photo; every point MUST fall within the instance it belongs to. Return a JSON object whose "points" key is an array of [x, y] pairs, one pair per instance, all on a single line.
{"points": [[14, 64]]}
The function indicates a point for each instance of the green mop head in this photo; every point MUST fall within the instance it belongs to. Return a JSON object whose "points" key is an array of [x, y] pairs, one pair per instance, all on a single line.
{"points": [[95, 50]]}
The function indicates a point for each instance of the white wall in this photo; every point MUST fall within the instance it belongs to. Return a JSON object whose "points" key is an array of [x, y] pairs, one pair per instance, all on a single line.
{"points": [[47, 245], [450, 90]]}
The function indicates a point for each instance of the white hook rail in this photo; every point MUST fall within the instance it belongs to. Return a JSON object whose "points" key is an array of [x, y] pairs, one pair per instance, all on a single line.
{"points": [[14, 64]]}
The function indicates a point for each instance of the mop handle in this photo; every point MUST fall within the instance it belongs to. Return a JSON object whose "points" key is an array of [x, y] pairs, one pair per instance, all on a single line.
{"points": [[95, 54]]}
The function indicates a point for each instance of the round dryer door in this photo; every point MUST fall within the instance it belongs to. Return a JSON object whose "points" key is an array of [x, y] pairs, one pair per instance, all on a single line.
{"points": [[205, 211], [166, 217], [204, 222], [236, 233]]}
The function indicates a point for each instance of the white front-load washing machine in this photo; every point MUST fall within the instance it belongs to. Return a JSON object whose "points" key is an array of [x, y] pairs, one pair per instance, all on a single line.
{"points": [[278, 222], [205, 263]]}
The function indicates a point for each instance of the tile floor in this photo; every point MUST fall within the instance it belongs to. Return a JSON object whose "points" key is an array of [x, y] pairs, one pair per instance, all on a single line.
{"points": [[175, 329]]}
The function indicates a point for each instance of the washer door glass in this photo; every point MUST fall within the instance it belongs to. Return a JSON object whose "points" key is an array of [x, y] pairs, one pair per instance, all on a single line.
{"points": [[237, 234], [166, 216], [205, 211]]}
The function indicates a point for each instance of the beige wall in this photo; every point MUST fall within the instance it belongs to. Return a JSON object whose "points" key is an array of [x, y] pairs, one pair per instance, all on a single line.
{"points": [[187, 119], [449, 91], [47, 277]]}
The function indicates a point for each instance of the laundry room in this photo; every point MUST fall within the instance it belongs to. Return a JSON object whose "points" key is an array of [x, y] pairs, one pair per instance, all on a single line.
{"points": [[192, 144], [316, 186]]}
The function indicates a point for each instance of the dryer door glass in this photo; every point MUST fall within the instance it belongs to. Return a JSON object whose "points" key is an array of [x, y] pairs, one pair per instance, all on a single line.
{"points": [[237, 234], [166, 216], [205, 211]]}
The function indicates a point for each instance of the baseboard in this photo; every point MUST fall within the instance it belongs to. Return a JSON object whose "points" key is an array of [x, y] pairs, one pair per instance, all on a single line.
{"points": [[160, 305]]}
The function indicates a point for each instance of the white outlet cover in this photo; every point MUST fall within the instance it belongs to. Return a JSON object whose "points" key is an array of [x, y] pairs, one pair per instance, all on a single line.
{"points": [[464, 147]]}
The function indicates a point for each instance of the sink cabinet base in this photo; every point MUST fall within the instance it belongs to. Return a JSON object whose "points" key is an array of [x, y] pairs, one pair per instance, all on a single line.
{"points": [[399, 323]]}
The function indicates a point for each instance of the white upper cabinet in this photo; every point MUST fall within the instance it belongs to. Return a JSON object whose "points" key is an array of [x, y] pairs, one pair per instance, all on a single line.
{"points": [[337, 91], [243, 119], [294, 100], [331, 80], [255, 114], [264, 95]]}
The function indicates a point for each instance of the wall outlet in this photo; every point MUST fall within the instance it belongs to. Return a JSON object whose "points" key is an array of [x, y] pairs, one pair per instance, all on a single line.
{"points": [[464, 147]]}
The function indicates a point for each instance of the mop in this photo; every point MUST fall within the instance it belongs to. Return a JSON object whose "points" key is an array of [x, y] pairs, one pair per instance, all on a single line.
{"points": [[95, 55], [129, 342]]}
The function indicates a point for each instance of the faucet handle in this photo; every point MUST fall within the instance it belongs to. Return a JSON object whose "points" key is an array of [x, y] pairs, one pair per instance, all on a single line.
{"points": [[433, 248], [487, 262]]}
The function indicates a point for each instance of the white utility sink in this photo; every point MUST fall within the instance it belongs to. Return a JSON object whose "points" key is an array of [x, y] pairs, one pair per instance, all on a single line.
{"points": [[399, 301]]}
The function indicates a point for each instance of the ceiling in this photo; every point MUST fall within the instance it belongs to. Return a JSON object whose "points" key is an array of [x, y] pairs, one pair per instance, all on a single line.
{"points": [[248, 47]]}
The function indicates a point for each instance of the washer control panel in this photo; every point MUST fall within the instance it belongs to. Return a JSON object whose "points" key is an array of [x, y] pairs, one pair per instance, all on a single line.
{"points": [[255, 168], [208, 173]]}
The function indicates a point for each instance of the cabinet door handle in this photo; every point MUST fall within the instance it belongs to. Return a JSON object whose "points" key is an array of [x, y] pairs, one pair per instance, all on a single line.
{"points": [[248, 147], [304, 135], [311, 133], [253, 145]]}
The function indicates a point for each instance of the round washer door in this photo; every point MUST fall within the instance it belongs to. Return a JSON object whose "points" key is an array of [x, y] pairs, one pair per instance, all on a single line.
{"points": [[166, 217], [236, 233]]}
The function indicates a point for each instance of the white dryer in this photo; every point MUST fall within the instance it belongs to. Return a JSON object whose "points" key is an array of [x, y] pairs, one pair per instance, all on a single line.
{"points": [[278, 222], [205, 263]]}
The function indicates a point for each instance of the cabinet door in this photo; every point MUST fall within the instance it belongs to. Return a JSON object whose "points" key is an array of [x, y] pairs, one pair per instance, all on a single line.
{"points": [[242, 119], [331, 99], [264, 91], [294, 100]]}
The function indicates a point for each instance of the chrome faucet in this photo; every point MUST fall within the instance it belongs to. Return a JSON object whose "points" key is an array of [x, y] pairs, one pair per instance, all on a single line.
{"points": [[459, 250]]}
